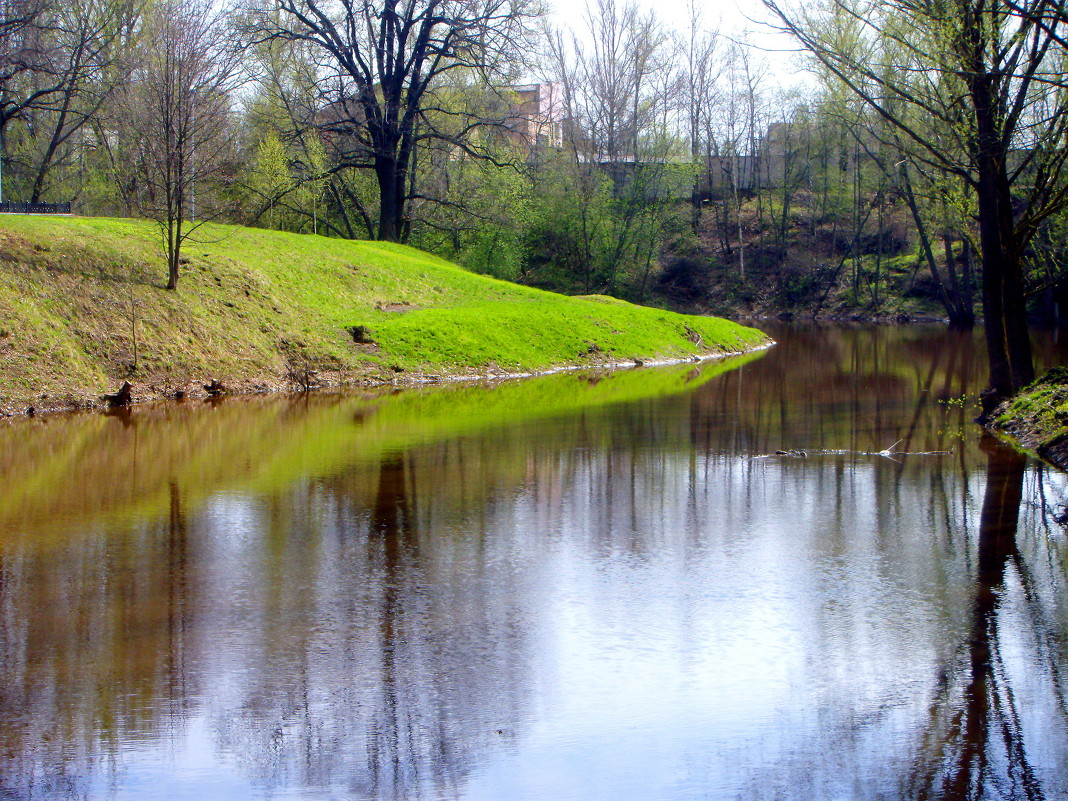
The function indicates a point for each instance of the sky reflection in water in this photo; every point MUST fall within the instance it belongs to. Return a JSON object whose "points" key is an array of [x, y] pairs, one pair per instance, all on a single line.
{"points": [[607, 598]]}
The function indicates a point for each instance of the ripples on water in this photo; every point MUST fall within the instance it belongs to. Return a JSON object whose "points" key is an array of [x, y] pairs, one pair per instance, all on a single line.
{"points": [[580, 587]]}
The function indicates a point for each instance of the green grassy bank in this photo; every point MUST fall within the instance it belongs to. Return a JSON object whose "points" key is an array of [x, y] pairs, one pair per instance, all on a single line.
{"points": [[1037, 418], [82, 308]]}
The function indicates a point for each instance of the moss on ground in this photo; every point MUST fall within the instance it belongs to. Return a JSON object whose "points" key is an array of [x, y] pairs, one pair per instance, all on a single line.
{"points": [[1038, 416], [82, 308]]}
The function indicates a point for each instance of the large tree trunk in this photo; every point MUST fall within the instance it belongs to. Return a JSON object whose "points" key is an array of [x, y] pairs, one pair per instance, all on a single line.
{"points": [[391, 198], [1005, 314], [1008, 342]]}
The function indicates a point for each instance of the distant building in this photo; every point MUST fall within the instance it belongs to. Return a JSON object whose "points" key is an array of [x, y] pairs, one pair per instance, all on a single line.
{"points": [[788, 153], [535, 119]]}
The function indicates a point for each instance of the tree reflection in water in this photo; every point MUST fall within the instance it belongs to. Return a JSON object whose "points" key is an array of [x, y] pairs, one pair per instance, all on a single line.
{"points": [[978, 744], [613, 601]]}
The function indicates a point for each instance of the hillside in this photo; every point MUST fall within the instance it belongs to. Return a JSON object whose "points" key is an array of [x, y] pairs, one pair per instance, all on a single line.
{"points": [[82, 309], [811, 263]]}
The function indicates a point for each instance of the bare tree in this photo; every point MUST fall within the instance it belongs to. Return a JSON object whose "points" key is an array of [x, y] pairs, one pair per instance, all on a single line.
{"points": [[86, 63], [27, 60], [24, 50], [178, 120], [609, 75], [378, 66], [732, 136], [701, 73], [621, 84]]}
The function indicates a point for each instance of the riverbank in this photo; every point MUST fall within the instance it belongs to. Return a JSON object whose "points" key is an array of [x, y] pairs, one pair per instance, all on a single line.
{"points": [[83, 309], [1037, 418]]}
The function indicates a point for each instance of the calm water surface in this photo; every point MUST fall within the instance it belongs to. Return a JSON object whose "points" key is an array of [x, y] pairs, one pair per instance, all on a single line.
{"points": [[579, 587]]}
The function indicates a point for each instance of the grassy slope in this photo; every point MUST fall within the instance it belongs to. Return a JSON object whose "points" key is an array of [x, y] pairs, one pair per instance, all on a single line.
{"points": [[77, 295]]}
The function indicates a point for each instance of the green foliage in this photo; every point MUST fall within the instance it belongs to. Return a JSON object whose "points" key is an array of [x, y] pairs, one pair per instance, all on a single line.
{"points": [[1040, 409], [595, 228], [75, 293], [484, 211], [269, 178]]}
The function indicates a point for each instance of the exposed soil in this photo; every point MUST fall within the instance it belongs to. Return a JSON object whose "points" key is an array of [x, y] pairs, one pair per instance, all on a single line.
{"points": [[809, 268]]}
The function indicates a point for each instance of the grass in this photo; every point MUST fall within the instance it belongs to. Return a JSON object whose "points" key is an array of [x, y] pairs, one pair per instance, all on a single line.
{"points": [[82, 308], [1038, 415]]}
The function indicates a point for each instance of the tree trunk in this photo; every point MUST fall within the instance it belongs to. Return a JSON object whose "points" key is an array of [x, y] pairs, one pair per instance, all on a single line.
{"points": [[174, 249], [1008, 342], [390, 199]]}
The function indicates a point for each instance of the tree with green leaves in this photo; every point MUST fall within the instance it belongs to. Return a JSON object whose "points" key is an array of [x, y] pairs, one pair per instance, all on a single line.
{"points": [[379, 66], [976, 89]]}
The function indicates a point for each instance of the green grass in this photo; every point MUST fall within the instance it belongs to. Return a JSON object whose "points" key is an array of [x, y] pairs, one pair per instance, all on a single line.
{"points": [[82, 308], [1038, 415]]}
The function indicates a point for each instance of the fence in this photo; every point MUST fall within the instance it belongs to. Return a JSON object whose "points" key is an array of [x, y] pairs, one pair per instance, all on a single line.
{"points": [[34, 208]]}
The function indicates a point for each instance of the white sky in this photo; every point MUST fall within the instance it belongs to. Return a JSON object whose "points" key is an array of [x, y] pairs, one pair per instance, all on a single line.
{"points": [[674, 11], [731, 17]]}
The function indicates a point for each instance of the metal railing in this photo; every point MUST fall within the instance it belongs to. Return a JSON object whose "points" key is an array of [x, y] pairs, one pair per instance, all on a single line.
{"points": [[34, 208]]}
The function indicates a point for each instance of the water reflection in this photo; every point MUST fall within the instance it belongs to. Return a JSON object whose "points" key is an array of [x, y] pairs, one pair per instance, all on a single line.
{"points": [[983, 740], [397, 598]]}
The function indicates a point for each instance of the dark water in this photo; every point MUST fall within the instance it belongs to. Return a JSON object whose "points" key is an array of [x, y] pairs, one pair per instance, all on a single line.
{"points": [[579, 587]]}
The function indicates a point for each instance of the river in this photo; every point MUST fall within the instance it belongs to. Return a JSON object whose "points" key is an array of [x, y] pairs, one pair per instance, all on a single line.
{"points": [[802, 574]]}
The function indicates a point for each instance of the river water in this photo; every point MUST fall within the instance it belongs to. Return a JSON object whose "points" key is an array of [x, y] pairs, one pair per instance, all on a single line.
{"points": [[575, 587]]}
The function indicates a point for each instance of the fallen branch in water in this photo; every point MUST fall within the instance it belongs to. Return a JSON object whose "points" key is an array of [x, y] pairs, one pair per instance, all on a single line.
{"points": [[888, 453]]}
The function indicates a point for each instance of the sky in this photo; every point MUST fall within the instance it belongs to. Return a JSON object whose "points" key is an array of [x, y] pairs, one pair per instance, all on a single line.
{"points": [[670, 10], [732, 17]]}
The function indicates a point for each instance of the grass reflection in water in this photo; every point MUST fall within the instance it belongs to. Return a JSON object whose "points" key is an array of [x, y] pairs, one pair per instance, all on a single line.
{"points": [[581, 587]]}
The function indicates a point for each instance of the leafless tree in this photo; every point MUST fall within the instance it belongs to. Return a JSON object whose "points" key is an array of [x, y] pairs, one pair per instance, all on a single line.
{"points": [[28, 71], [177, 120], [23, 51], [733, 126], [86, 62], [701, 73], [622, 85], [609, 76]]}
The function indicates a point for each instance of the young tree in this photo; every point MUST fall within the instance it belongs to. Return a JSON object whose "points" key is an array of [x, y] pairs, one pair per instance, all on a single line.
{"points": [[977, 89], [378, 66], [269, 177], [178, 121]]}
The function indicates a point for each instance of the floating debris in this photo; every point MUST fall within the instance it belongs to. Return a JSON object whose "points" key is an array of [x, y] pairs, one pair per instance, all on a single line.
{"points": [[886, 453]]}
